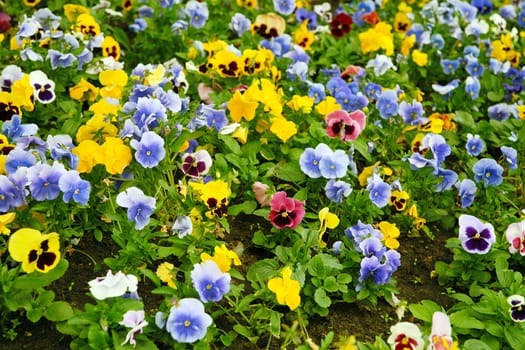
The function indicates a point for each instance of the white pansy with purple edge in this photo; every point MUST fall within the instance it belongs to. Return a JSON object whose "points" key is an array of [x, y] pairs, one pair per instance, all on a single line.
{"points": [[517, 307], [44, 87], [476, 237]]}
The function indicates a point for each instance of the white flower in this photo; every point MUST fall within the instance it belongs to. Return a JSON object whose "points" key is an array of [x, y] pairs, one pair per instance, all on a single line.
{"points": [[112, 285], [134, 320], [406, 333], [381, 64]]}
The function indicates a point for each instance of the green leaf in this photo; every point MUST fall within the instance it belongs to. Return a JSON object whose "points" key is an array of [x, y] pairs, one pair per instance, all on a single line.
{"points": [[474, 344], [290, 172], [344, 278], [58, 311], [463, 319], [495, 96], [246, 207], [514, 336], [263, 270], [38, 279], [321, 298], [230, 144], [424, 310], [275, 323], [330, 284], [465, 119]]}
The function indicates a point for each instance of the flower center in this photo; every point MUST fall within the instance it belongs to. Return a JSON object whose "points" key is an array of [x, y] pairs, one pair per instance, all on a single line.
{"points": [[187, 323]]}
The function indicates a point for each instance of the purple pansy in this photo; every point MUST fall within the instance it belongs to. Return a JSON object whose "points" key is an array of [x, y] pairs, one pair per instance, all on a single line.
{"points": [[476, 237]]}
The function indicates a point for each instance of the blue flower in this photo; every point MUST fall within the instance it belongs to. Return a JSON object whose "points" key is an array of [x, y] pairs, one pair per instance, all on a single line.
{"points": [[150, 111], [140, 207], [379, 191], [373, 91], [412, 113], [511, 156], [449, 66], [43, 180], [360, 232], [488, 171], [14, 129], [182, 226], [334, 165], [198, 13], [474, 68], [240, 24], [18, 158], [467, 192], [438, 145], [372, 246], [371, 266], [61, 147], [336, 190], [9, 196], [502, 111], [449, 177], [298, 69], [483, 6], [74, 187], [446, 90], [138, 25], [303, 14], [187, 321], [149, 150], [284, 7], [475, 145], [393, 258], [335, 84], [387, 104], [209, 281], [316, 91], [310, 158], [472, 87], [59, 59]]}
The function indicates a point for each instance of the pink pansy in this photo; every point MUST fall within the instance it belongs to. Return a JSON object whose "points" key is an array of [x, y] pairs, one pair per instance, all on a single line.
{"points": [[441, 333], [515, 235], [346, 126], [286, 212]]}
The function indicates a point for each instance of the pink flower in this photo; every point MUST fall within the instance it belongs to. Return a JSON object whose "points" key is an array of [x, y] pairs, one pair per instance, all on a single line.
{"points": [[261, 193], [351, 70], [515, 235], [286, 212], [441, 333], [346, 126], [5, 22]]}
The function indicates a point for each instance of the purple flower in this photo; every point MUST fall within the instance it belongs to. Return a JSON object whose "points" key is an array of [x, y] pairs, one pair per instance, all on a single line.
{"points": [[187, 321], [240, 24], [387, 104], [475, 145], [150, 111], [467, 192], [310, 158], [140, 207], [43, 180], [149, 150], [134, 320], [475, 236], [517, 308], [197, 164], [372, 267], [74, 187], [197, 12], [44, 88], [379, 191], [284, 7], [336, 190], [8, 195], [209, 281], [412, 113], [138, 25], [488, 171], [511, 156], [438, 145]]}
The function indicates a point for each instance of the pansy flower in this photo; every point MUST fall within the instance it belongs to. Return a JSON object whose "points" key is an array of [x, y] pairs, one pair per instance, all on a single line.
{"points": [[467, 192], [405, 336], [188, 322], [134, 320], [390, 234], [328, 221], [286, 289], [167, 273], [197, 12], [182, 226], [517, 308], [6, 219], [488, 171], [34, 250], [398, 199], [346, 126], [285, 211], [476, 237], [341, 25], [149, 151], [269, 25], [216, 194], [441, 333], [475, 145], [209, 281], [44, 87], [113, 285], [515, 235], [196, 164], [223, 257], [140, 207], [379, 191]]}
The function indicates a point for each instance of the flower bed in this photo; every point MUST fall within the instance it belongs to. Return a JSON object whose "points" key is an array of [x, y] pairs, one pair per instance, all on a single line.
{"points": [[243, 170]]}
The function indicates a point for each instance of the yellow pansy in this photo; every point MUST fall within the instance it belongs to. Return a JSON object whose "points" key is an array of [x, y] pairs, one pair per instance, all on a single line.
{"points": [[72, 11], [283, 129], [327, 106], [110, 47], [4, 220], [407, 44], [22, 93], [399, 199], [86, 151], [301, 103], [167, 274], [390, 233], [303, 37], [521, 111], [105, 107], [328, 221], [83, 91], [241, 134], [216, 194], [155, 77], [31, 3], [115, 155], [241, 107], [114, 82], [34, 250], [227, 64], [402, 22], [86, 24], [97, 128], [286, 289], [419, 58], [251, 4], [223, 257]]}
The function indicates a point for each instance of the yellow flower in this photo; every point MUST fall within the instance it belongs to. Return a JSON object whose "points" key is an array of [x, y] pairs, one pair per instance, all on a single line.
{"points": [[398, 199], [407, 44], [154, 77], [114, 82], [390, 233], [349, 344], [216, 194], [241, 107], [96, 129], [303, 37], [110, 47], [22, 93], [369, 171], [286, 289], [521, 111], [2, 37], [31, 3], [115, 155], [434, 125], [4, 220], [328, 221], [301, 103], [223, 257], [418, 222], [34, 250], [327, 106], [402, 23], [105, 107], [251, 4], [166, 273], [86, 24], [241, 134], [86, 151], [83, 91], [73, 11], [376, 38], [419, 58], [283, 129], [268, 25], [227, 64]]}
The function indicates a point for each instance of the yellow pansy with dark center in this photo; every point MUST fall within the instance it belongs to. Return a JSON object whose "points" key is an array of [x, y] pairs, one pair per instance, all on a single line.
{"points": [[34, 250]]}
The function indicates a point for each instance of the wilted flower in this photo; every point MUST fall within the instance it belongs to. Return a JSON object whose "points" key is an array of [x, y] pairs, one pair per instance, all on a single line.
{"points": [[187, 321], [113, 285], [134, 320], [262, 194], [182, 226], [511, 156], [286, 289], [285, 211], [475, 236]]}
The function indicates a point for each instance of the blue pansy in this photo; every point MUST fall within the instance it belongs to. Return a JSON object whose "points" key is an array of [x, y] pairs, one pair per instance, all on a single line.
{"points": [[43, 180], [140, 207], [335, 190], [475, 145], [467, 192], [379, 191], [188, 322], [209, 281], [488, 171], [74, 187]]}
